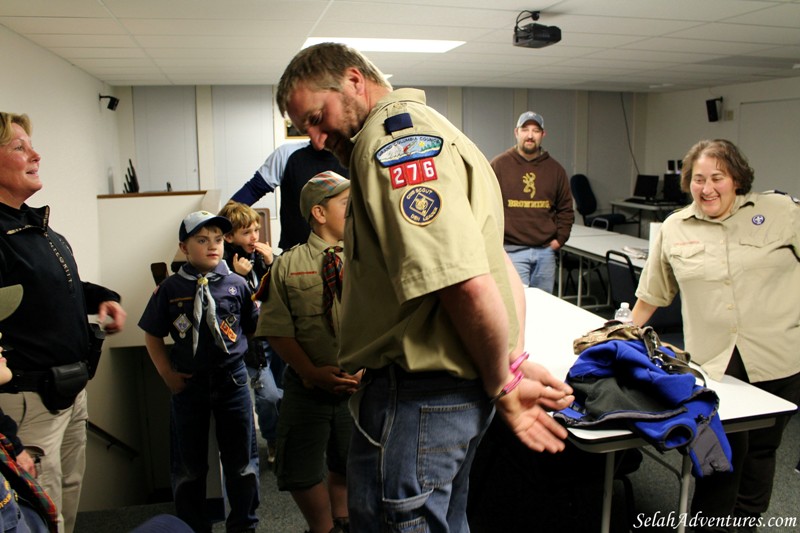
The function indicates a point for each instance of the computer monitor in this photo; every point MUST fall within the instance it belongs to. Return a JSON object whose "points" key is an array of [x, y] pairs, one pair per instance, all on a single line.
{"points": [[672, 189], [646, 187]]}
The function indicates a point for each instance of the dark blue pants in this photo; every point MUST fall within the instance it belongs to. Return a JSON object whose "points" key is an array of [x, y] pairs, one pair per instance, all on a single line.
{"points": [[225, 394]]}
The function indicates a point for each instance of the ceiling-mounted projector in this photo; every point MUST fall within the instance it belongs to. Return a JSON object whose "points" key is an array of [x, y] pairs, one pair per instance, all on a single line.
{"points": [[534, 35]]}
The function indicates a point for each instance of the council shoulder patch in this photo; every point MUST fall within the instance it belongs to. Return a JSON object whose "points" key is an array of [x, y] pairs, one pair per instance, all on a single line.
{"points": [[409, 148], [420, 205]]}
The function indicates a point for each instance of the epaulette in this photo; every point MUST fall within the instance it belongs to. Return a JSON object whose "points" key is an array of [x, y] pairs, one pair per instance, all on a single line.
{"points": [[795, 199]]}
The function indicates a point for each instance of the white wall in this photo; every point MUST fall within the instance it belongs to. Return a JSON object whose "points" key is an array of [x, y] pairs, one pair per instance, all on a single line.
{"points": [[74, 133], [675, 121]]}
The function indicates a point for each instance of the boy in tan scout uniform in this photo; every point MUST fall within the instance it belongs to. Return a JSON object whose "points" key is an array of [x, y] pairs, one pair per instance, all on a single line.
{"points": [[300, 319]]}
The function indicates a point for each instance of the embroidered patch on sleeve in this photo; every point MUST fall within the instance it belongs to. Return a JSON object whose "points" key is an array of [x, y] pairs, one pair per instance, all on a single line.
{"points": [[420, 205], [409, 148], [228, 331], [413, 173]]}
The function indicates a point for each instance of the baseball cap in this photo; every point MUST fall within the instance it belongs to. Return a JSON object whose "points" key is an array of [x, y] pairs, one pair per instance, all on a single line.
{"points": [[527, 116], [10, 297], [324, 185], [197, 220]]}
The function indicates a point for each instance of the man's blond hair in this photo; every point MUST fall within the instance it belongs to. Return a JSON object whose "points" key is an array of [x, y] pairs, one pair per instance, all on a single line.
{"points": [[322, 67]]}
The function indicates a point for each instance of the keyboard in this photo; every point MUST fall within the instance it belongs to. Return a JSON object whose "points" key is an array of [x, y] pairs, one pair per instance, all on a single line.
{"points": [[645, 201]]}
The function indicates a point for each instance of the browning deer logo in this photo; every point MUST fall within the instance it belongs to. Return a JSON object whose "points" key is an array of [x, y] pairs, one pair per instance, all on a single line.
{"points": [[529, 180]]}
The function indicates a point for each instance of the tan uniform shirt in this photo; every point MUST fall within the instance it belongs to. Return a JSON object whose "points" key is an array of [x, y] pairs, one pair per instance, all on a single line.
{"points": [[294, 305], [425, 213], [739, 280]]}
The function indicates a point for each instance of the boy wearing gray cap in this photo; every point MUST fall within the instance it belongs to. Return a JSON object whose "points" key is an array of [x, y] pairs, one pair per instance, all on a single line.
{"points": [[300, 319], [207, 311]]}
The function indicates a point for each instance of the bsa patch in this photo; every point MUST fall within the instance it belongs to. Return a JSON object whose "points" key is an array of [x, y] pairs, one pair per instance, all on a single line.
{"points": [[409, 148], [420, 205], [232, 291], [413, 173], [182, 324], [228, 331], [758, 220]]}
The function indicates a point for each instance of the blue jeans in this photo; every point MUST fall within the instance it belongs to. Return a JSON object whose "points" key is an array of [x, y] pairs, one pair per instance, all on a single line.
{"points": [[411, 453], [267, 385], [223, 393], [536, 267]]}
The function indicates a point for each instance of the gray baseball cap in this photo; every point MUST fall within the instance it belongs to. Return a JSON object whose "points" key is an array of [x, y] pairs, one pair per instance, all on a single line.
{"points": [[197, 220], [10, 297], [528, 116]]}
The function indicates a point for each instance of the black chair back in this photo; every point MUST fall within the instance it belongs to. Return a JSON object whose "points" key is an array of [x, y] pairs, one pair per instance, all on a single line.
{"points": [[622, 280], [582, 192], [622, 283]]}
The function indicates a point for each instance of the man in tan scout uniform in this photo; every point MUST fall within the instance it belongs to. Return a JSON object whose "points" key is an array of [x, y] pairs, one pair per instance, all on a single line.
{"points": [[427, 306]]}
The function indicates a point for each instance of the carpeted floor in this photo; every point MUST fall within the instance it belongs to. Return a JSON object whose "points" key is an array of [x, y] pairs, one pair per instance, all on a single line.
{"points": [[568, 505]]}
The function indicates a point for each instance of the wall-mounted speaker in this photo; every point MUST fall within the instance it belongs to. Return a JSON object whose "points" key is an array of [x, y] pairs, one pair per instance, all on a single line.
{"points": [[713, 109]]}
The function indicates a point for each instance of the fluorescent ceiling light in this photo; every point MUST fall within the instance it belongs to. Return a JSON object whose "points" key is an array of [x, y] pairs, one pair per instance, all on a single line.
{"points": [[389, 45]]}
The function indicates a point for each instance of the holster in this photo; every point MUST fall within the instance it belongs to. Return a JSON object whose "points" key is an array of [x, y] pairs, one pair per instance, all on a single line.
{"points": [[61, 384]]}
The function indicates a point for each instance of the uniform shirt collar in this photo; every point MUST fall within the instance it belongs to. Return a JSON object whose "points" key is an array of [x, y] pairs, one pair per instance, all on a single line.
{"points": [[318, 245], [740, 201]]}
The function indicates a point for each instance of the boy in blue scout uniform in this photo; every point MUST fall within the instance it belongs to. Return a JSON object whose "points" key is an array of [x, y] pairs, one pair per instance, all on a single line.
{"points": [[207, 311], [300, 319]]}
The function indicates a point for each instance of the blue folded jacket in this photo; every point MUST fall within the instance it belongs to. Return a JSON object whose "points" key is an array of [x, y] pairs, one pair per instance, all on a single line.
{"points": [[616, 384]]}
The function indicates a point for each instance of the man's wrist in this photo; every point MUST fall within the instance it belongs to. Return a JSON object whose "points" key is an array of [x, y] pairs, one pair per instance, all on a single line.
{"points": [[517, 376]]}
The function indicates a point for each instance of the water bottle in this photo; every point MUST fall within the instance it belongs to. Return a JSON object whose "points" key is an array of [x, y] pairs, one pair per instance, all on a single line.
{"points": [[623, 314]]}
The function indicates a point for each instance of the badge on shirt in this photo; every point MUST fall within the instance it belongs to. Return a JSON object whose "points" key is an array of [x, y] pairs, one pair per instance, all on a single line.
{"points": [[409, 148], [228, 331], [759, 219], [232, 291], [420, 205], [182, 324], [412, 173]]}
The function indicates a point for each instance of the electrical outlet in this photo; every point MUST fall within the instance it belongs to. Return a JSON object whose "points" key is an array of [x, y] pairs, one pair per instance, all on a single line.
{"points": [[729, 114]]}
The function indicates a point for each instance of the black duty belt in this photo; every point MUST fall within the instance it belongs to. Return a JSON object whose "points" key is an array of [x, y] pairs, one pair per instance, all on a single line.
{"points": [[25, 380]]}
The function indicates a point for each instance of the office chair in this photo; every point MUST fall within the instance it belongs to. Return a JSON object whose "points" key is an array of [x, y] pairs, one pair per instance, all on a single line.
{"points": [[622, 283], [586, 202]]}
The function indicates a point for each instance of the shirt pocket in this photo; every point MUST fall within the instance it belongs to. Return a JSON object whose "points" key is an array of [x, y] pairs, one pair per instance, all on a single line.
{"points": [[305, 295], [688, 261], [229, 310], [765, 250]]}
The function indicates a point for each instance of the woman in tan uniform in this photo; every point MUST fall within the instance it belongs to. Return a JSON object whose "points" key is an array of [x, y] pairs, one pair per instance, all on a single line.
{"points": [[735, 257]]}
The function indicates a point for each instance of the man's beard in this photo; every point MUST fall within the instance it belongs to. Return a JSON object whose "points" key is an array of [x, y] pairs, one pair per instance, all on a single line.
{"points": [[342, 148], [530, 151]]}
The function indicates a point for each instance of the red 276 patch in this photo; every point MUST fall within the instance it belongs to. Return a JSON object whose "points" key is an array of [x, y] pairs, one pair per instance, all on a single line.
{"points": [[412, 173]]}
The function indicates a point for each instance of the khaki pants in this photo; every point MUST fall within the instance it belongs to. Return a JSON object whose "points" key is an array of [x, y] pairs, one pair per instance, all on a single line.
{"points": [[57, 443]]}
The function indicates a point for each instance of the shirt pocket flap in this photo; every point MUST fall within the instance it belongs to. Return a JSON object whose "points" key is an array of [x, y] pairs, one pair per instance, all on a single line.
{"points": [[305, 294], [687, 260]]}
